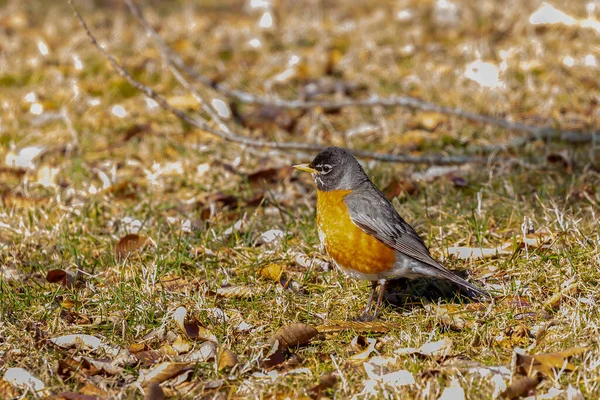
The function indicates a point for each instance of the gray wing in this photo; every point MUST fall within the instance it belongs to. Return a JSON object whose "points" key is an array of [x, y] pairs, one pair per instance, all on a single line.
{"points": [[374, 214]]}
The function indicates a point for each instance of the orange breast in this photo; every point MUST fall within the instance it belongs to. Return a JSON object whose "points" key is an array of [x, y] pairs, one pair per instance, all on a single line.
{"points": [[346, 243]]}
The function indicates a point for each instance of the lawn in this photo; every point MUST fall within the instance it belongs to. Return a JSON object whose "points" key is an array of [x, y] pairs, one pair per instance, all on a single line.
{"points": [[141, 256]]}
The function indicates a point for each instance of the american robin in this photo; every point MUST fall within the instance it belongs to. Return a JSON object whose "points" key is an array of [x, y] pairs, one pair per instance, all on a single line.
{"points": [[363, 233]]}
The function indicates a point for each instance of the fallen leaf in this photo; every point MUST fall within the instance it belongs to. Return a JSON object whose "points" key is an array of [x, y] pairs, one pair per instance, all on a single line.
{"points": [[366, 353], [153, 391], [227, 359], [92, 390], [521, 387], [23, 379], [191, 326], [327, 381], [206, 352], [236, 292], [129, 244], [400, 186], [453, 392], [548, 363], [181, 345], [439, 348], [294, 335], [85, 341], [63, 277], [161, 372], [474, 253], [149, 357], [273, 359], [394, 380], [7, 390], [79, 369], [271, 271]]}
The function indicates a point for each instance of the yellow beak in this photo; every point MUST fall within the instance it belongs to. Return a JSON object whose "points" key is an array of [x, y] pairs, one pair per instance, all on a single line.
{"points": [[305, 168]]}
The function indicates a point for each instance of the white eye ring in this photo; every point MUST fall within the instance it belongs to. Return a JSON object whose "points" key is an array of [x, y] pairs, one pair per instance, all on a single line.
{"points": [[324, 169]]}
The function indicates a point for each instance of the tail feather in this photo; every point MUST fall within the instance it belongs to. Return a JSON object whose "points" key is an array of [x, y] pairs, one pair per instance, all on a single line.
{"points": [[473, 290]]}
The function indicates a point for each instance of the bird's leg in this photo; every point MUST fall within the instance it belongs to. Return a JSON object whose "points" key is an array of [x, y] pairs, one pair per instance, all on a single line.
{"points": [[383, 283], [366, 315], [373, 288]]}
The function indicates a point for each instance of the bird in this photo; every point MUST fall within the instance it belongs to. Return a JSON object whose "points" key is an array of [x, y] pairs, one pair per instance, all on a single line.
{"points": [[362, 232]]}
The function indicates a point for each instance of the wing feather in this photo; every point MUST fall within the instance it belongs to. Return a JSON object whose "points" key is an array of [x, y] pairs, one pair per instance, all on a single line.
{"points": [[374, 214]]}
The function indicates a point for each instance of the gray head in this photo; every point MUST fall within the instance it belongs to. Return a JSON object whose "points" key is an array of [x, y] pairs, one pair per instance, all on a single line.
{"points": [[335, 169]]}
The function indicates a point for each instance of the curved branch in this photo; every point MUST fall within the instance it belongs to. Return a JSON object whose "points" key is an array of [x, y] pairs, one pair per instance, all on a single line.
{"points": [[536, 132], [223, 132]]}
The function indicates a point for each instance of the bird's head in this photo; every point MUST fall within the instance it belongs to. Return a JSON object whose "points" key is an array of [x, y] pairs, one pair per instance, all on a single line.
{"points": [[334, 169]]}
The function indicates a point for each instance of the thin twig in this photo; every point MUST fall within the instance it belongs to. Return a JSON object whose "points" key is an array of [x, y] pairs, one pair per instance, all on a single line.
{"points": [[536, 132], [226, 134]]}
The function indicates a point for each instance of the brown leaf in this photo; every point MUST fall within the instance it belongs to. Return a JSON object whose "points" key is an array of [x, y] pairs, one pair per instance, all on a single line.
{"points": [[327, 381], [78, 369], [136, 130], [63, 277], [174, 283], [124, 190], [548, 363], [162, 372], [92, 390], [273, 360], [154, 392], [128, 244], [521, 387], [149, 357], [400, 186], [7, 390], [294, 335], [191, 326], [358, 326], [227, 359]]}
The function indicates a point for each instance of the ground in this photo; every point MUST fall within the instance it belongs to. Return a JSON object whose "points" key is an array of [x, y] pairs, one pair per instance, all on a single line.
{"points": [[184, 257]]}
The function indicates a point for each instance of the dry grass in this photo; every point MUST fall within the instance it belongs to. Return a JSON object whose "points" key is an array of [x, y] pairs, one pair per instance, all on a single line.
{"points": [[100, 176]]}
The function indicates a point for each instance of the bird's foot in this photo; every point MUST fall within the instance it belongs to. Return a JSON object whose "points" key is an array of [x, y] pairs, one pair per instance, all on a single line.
{"points": [[366, 317]]}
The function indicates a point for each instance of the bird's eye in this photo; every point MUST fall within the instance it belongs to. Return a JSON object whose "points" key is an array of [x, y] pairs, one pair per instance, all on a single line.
{"points": [[325, 169]]}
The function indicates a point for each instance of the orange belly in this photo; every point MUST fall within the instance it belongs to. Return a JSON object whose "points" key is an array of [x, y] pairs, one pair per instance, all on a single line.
{"points": [[348, 245]]}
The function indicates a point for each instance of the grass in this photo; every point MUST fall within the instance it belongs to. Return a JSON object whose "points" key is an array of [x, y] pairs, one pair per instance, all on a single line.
{"points": [[107, 186]]}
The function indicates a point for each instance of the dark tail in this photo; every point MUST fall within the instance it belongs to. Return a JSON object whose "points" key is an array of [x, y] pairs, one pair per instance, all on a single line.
{"points": [[469, 288]]}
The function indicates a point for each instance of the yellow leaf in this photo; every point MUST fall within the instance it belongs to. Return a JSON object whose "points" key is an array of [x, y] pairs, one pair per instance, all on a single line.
{"points": [[271, 271], [227, 359]]}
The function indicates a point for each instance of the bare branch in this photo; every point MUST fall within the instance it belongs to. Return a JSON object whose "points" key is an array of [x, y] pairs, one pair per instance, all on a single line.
{"points": [[225, 133], [536, 132]]}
